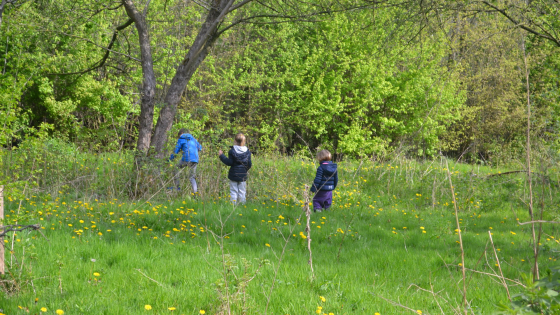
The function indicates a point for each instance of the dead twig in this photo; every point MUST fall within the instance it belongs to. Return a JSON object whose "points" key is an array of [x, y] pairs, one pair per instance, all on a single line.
{"points": [[161, 285], [398, 304], [499, 266], [538, 221], [495, 275], [460, 239], [4, 230]]}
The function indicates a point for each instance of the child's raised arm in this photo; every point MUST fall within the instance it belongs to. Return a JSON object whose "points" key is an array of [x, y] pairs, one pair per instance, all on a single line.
{"points": [[226, 160]]}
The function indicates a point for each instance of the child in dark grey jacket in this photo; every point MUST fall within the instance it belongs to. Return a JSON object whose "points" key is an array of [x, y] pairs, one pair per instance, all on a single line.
{"points": [[239, 160], [325, 182]]}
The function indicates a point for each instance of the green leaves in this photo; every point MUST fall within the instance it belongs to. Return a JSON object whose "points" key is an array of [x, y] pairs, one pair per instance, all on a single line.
{"points": [[538, 297], [339, 85]]}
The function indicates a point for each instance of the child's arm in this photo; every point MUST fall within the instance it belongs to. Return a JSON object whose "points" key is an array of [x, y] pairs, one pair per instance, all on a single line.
{"points": [[317, 182], [177, 150], [226, 160]]}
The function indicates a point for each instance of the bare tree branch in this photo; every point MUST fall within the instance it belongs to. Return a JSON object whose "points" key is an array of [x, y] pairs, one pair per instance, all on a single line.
{"points": [[108, 50], [4, 230], [146, 8], [2, 6], [205, 6], [546, 35], [239, 5], [538, 221]]}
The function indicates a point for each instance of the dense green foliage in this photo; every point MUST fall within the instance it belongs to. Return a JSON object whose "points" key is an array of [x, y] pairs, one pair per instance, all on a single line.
{"points": [[359, 82]]}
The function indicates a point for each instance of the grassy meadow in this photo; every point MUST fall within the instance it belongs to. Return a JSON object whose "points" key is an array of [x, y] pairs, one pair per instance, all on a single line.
{"points": [[391, 238]]}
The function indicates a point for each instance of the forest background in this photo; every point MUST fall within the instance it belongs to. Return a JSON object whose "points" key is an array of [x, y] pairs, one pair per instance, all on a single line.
{"points": [[360, 78]]}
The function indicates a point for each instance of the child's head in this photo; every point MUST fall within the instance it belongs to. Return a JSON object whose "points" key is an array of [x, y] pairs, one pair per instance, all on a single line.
{"points": [[239, 139], [324, 155], [182, 131]]}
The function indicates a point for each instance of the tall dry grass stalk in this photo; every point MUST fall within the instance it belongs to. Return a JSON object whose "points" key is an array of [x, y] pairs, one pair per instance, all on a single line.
{"points": [[465, 306], [528, 154], [499, 266]]}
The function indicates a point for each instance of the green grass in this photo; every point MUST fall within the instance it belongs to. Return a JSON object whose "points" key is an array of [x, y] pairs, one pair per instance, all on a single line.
{"points": [[382, 209]]}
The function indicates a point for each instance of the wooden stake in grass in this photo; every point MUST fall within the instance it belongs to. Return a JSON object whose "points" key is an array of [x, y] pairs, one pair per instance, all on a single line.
{"points": [[308, 227], [2, 268], [460, 239]]}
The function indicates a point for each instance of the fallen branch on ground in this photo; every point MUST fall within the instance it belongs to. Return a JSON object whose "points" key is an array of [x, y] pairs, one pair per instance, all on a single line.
{"points": [[4, 230]]}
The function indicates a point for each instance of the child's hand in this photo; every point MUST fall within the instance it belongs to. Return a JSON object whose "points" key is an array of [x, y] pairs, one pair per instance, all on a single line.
{"points": [[220, 152]]}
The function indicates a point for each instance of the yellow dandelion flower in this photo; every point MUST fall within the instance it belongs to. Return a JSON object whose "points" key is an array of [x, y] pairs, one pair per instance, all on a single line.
{"points": [[59, 312], [267, 245], [147, 307], [202, 312], [96, 274], [171, 308], [43, 309], [323, 299]]}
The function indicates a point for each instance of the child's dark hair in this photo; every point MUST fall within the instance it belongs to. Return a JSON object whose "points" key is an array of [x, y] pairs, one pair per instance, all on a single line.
{"points": [[182, 131], [324, 155], [240, 139]]}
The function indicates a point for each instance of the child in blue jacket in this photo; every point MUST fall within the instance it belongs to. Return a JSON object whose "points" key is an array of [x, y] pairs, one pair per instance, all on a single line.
{"points": [[239, 160], [190, 147], [325, 182]]}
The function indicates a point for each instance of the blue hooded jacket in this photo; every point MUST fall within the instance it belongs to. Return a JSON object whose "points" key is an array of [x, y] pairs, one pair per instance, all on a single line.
{"points": [[190, 147], [326, 177]]}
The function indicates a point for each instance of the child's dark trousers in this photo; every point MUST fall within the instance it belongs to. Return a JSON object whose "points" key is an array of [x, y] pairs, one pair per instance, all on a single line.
{"points": [[322, 200]]}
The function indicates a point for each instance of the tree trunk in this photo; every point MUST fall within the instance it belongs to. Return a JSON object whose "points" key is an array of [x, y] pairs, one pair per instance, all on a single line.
{"points": [[207, 35], [149, 83], [2, 5]]}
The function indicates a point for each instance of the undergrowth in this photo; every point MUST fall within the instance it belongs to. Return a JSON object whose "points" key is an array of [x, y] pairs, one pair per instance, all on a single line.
{"points": [[389, 245]]}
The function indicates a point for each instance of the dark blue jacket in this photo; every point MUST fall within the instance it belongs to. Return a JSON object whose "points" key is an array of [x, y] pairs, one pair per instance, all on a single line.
{"points": [[326, 178], [239, 162], [190, 147]]}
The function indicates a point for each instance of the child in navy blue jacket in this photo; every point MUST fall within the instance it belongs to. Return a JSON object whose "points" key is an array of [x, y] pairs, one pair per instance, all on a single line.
{"points": [[325, 182], [239, 160]]}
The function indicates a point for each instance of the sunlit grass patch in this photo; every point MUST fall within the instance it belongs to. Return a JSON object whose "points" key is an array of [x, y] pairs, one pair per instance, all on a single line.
{"points": [[389, 229]]}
